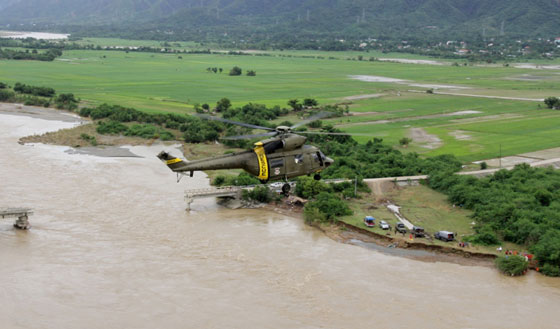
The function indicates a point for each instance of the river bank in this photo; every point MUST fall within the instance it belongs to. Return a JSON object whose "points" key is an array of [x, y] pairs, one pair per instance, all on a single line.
{"points": [[110, 146]]}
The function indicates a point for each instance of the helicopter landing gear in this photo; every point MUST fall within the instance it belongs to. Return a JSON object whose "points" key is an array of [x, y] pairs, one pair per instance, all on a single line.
{"points": [[317, 177], [286, 189]]}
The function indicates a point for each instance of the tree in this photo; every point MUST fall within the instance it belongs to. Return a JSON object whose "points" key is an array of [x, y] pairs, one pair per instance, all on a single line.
{"points": [[405, 141], [295, 104], [547, 251], [310, 102], [223, 105], [251, 73], [552, 103], [236, 70]]}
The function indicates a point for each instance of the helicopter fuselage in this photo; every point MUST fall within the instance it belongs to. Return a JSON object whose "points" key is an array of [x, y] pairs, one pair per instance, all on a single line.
{"points": [[278, 158]]}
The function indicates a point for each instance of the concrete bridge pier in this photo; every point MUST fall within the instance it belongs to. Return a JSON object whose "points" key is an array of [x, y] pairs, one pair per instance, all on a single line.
{"points": [[22, 215], [22, 223]]}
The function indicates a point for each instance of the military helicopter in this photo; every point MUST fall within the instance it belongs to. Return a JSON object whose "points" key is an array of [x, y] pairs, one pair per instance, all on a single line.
{"points": [[282, 156]]}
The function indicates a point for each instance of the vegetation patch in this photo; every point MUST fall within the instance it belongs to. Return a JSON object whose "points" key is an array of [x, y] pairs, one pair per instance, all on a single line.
{"points": [[512, 265]]}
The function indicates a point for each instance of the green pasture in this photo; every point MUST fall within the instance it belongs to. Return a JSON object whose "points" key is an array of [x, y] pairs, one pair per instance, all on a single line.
{"points": [[157, 82]]}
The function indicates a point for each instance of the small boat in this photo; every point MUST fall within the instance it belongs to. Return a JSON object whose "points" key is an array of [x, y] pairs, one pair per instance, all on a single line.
{"points": [[369, 221]]}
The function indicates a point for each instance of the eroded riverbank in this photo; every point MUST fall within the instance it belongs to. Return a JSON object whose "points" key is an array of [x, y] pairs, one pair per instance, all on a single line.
{"points": [[112, 246]]}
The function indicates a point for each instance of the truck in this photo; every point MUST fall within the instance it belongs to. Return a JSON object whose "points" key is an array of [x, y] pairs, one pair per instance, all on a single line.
{"points": [[418, 231], [400, 228], [445, 236]]}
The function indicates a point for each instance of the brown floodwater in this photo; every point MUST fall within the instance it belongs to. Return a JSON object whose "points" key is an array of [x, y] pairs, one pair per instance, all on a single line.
{"points": [[112, 247]]}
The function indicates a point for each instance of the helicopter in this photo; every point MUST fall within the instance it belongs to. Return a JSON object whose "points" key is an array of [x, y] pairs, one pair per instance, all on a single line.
{"points": [[283, 155]]}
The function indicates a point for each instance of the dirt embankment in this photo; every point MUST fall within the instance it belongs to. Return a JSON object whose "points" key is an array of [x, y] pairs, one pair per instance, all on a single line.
{"points": [[348, 232]]}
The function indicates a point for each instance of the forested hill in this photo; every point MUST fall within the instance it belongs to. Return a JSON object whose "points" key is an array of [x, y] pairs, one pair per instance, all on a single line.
{"points": [[336, 18]]}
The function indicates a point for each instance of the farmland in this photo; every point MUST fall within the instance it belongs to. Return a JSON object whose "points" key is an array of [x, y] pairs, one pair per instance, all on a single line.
{"points": [[472, 128]]}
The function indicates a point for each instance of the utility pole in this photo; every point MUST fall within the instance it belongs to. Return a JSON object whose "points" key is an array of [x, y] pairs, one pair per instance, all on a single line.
{"points": [[500, 156], [356, 186]]}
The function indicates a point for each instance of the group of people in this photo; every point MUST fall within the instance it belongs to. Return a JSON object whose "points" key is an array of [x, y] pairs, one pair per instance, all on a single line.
{"points": [[528, 257]]}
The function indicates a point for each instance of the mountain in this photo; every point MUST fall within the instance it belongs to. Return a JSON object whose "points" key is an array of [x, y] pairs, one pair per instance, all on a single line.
{"points": [[530, 18]]}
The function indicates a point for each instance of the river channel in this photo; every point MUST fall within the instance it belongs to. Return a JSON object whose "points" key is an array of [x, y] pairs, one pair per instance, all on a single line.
{"points": [[112, 247]]}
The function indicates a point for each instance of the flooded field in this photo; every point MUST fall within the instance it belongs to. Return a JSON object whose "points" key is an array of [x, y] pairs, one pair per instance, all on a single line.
{"points": [[34, 35], [112, 246]]}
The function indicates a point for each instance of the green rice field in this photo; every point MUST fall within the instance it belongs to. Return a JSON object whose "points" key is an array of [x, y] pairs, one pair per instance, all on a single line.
{"points": [[473, 128]]}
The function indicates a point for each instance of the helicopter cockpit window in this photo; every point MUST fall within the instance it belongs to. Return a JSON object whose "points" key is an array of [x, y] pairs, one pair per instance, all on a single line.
{"points": [[275, 163], [298, 158], [323, 157], [315, 157]]}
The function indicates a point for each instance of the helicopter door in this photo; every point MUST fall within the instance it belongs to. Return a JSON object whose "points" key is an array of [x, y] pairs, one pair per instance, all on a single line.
{"points": [[277, 167]]}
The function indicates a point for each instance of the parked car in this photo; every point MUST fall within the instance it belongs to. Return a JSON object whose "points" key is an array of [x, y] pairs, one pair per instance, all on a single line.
{"points": [[369, 221], [445, 236], [384, 226], [417, 231], [401, 228]]}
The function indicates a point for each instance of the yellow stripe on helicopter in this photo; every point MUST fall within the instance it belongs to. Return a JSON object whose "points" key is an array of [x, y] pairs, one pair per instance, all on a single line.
{"points": [[172, 161], [263, 162]]}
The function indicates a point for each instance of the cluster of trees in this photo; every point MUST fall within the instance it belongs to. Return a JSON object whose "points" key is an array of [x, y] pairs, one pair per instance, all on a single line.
{"points": [[552, 103], [34, 90], [47, 56], [521, 205], [375, 159], [296, 105], [148, 125], [37, 96], [214, 69], [326, 202]]}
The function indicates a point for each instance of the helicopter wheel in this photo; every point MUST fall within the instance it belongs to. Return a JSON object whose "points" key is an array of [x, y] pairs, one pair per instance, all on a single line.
{"points": [[317, 177], [286, 189]]}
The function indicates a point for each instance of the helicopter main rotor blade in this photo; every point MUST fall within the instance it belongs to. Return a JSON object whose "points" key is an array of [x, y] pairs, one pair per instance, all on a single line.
{"points": [[272, 133], [334, 134], [312, 118], [209, 117]]}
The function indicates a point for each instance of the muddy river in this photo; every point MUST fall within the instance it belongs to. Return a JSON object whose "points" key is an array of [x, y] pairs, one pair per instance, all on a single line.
{"points": [[112, 247]]}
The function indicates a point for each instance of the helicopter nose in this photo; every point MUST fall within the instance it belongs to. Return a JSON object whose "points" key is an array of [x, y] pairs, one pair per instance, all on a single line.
{"points": [[328, 161]]}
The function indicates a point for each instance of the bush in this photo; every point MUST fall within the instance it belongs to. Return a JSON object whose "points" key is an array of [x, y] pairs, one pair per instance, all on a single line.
{"points": [[259, 193], [236, 70], [485, 237], [308, 187], [313, 214], [550, 270], [483, 165], [405, 141], [512, 265], [90, 139], [251, 73], [219, 180], [552, 102], [66, 101], [111, 128], [6, 95], [330, 206]]}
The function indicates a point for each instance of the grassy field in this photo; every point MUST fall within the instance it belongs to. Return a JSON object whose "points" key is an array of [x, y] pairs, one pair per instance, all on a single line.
{"points": [[423, 207], [156, 82]]}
